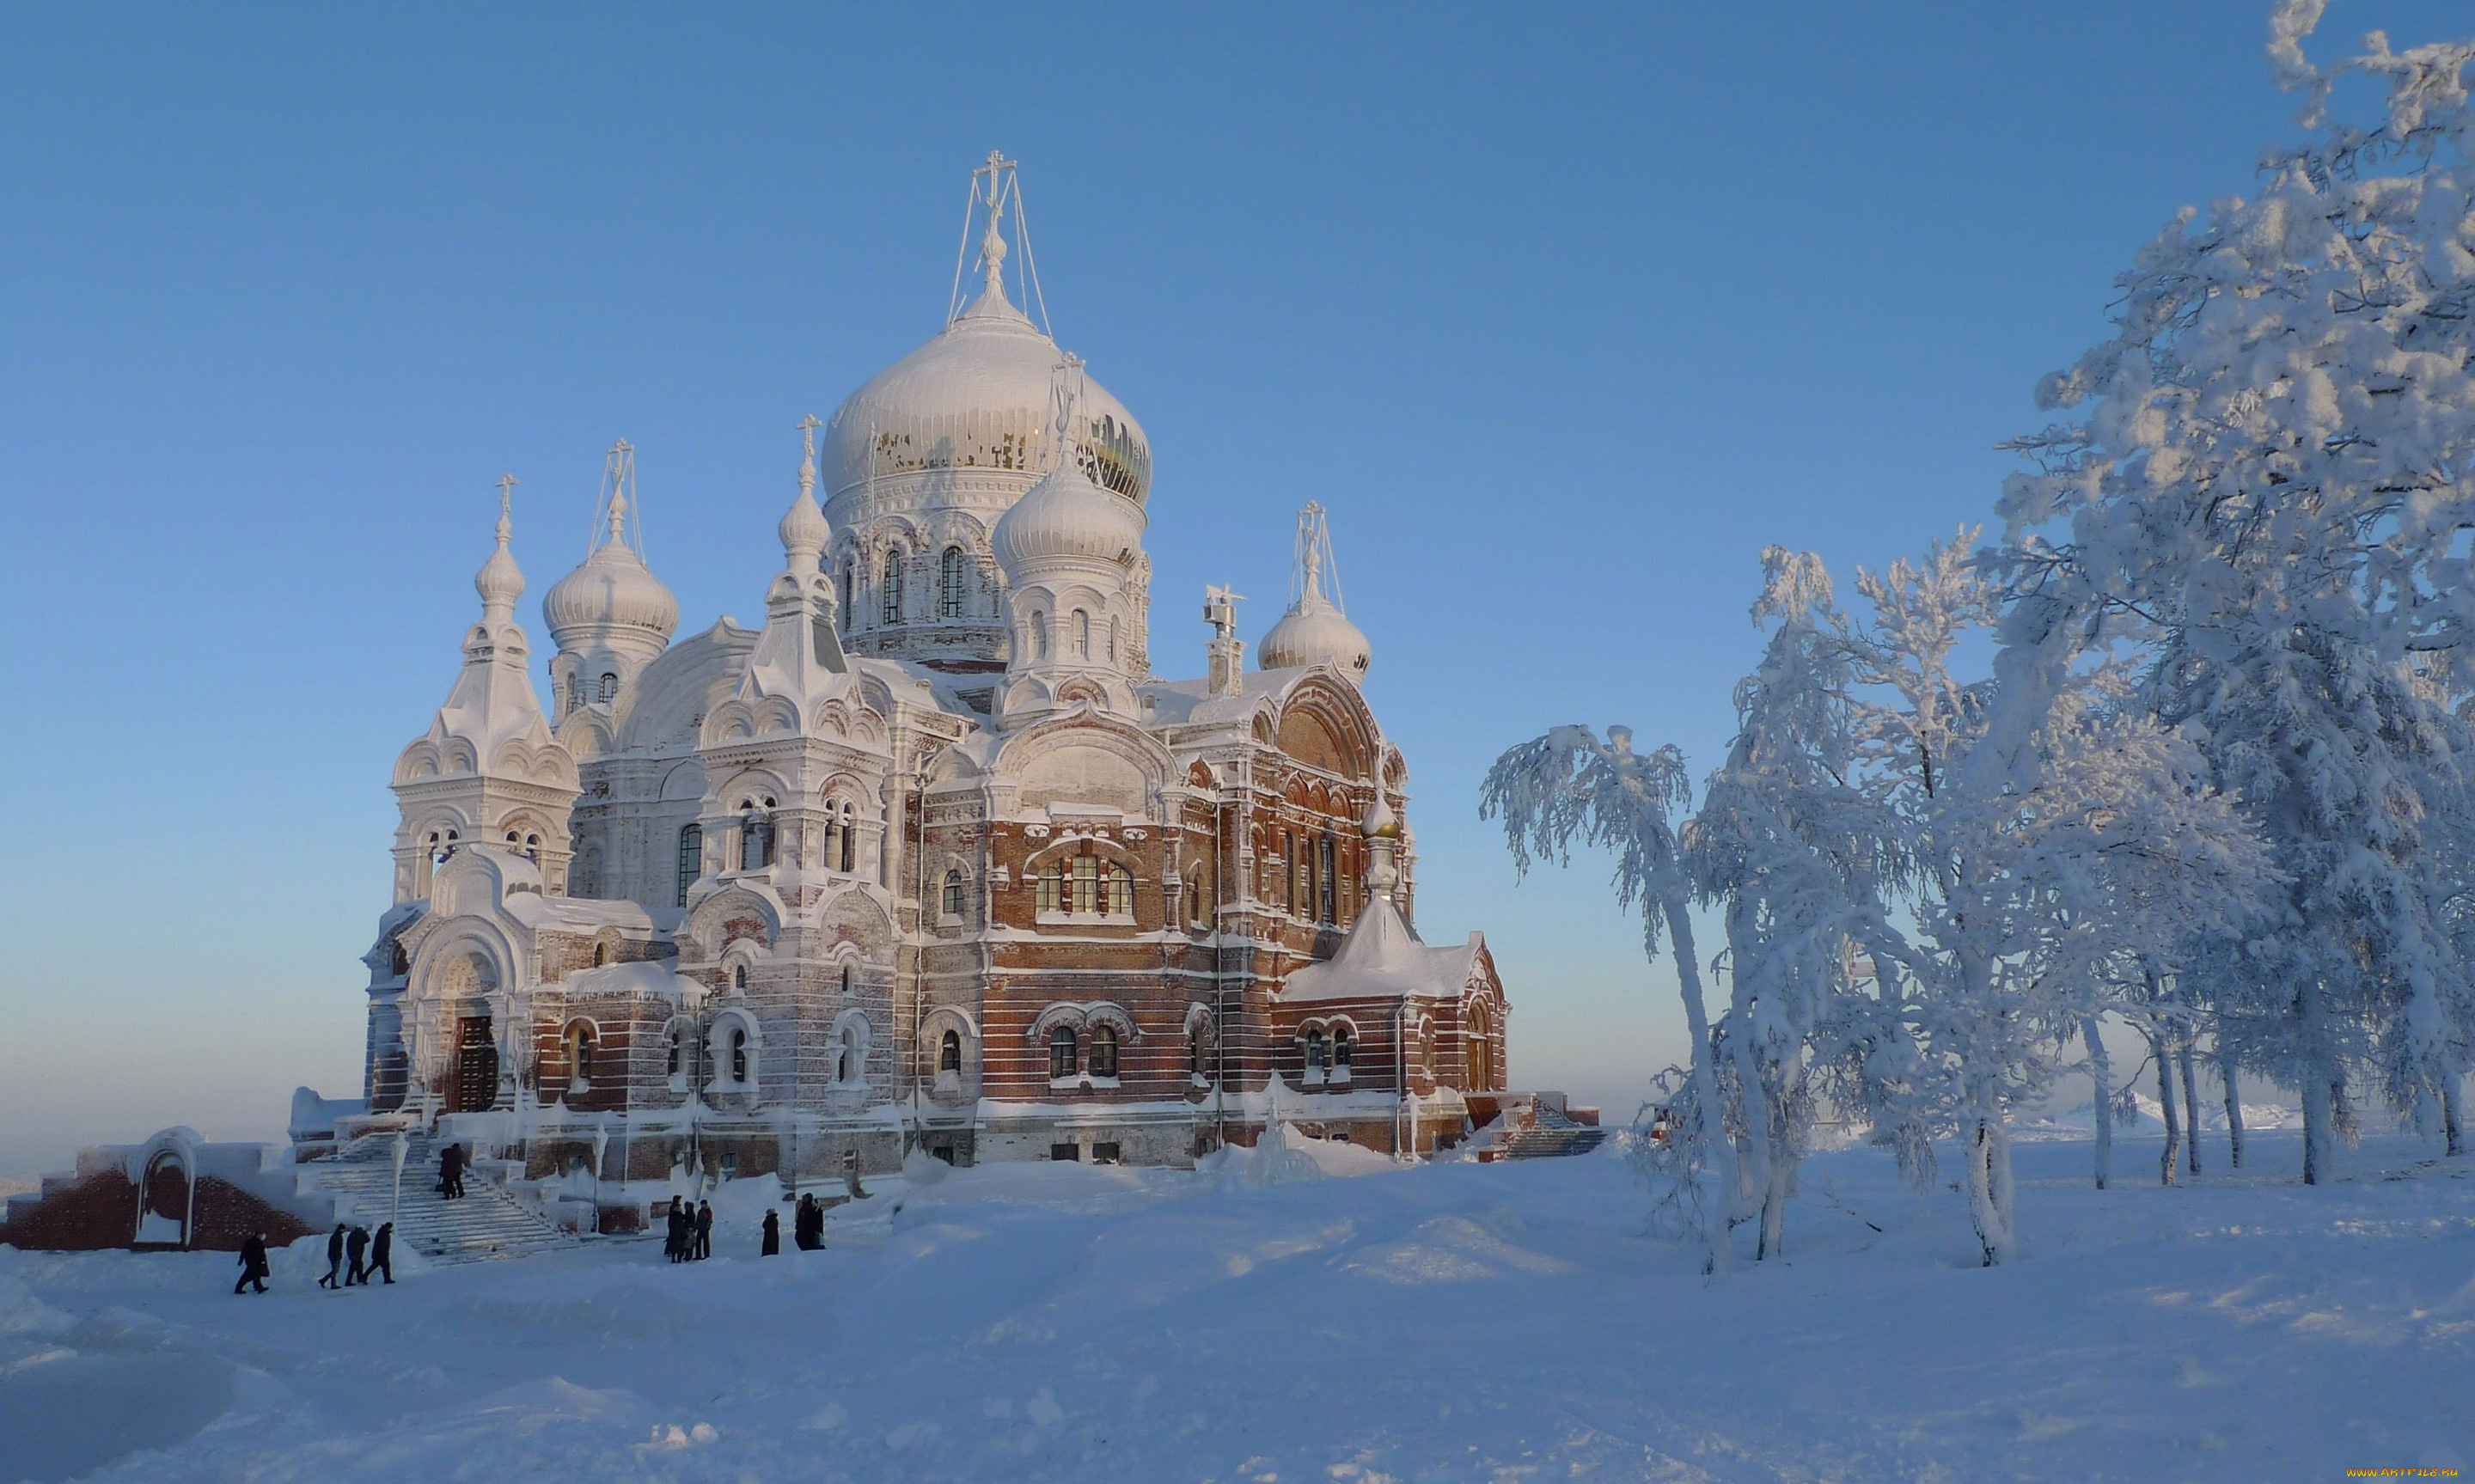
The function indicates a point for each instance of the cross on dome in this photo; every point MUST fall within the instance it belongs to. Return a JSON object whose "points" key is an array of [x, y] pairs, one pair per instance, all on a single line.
{"points": [[500, 582]]}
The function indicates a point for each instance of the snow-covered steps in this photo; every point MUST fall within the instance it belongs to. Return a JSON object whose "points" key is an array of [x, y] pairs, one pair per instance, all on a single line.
{"points": [[486, 1222], [1546, 1143]]}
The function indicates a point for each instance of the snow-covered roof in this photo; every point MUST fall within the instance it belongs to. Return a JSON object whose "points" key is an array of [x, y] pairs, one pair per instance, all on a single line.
{"points": [[1191, 703], [1382, 959], [652, 977]]}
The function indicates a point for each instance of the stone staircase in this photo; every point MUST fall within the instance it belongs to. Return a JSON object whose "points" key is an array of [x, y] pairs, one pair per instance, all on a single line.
{"points": [[1554, 1136], [487, 1224]]}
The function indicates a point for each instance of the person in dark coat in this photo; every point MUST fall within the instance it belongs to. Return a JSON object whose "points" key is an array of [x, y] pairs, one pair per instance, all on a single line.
{"points": [[253, 1262], [334, 1256], [703, 1230], [451, 1172], [772, 1243], [356, 1248], [804, 1223], [383, 1252], [676, 1247]]}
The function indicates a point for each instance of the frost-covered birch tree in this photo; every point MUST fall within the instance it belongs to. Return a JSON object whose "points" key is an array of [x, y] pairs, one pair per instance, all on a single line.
{"points": [[2270, 472], [1569, 785]]}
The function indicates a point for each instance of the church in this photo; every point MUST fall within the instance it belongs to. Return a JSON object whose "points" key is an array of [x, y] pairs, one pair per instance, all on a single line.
{"points": [[935, 860]]}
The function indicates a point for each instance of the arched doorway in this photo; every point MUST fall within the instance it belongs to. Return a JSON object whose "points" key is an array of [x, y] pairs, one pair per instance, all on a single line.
{"points": [[474, 1085], [1476, 1064], [163, 1201]]}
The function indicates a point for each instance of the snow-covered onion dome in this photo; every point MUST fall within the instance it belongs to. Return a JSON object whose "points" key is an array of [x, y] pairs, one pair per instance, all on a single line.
{"points": [[1067, 517], [613, 597], [977, 396], [1316, 631]]}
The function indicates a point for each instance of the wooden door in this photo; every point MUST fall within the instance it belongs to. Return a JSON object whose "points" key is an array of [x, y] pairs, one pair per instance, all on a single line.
{"points": [[477, 1066]]}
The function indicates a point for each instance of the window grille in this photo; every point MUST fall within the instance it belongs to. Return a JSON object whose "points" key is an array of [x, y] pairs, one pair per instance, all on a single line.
{"points": [[1104, 1051], [892, 588], [950, 584], [691, 858], [1061, 1052]]}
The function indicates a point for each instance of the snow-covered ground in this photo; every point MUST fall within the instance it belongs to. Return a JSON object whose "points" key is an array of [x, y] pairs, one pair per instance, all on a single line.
{"points": [[1447, 1323]]}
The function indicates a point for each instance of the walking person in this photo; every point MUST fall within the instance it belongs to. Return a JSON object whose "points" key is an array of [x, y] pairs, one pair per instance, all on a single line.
{"points": [[356, 1246], [451, 1172], [703, 1230], [334, 1256], [772, 1243], [383, 1252], [253, 1262]]}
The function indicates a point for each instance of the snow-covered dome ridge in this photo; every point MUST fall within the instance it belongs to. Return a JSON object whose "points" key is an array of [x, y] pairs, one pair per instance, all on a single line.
{"points": [[977, 396]]}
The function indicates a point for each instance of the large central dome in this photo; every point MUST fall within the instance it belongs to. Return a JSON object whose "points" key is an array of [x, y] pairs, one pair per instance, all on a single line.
{"points": [[977, 396]]}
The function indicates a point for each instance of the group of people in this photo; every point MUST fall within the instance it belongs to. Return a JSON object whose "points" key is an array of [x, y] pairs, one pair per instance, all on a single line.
{"points": [[452, 1162], [369, 1255], [691, 1229], [691, 1238], [808, 1225]]}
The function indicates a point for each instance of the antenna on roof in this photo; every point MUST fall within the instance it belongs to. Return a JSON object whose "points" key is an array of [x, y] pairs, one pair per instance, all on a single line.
{"points": [[996, 189]]}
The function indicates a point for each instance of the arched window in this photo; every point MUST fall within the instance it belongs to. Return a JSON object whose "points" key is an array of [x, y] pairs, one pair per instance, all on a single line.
{"points": [[1344, 1053], [953, 893], [1049, 889], [736, 1040], [1061, 1052], [846, 981], [1475, 1051], [1323, 880], [1039, 635], [756, 842], [851, 838], [949, 1053], [850, 581], [950, 584], [1121, 891], [1316, 1050], [1104, 1051], [1195, 1049], [892, 588], [1082, 635], [851, 1054], [739, 976], [609, 687], [1086, 883], [691, 858], [1113, 640], [676, 1063], [580, 1058], [601, 955]]}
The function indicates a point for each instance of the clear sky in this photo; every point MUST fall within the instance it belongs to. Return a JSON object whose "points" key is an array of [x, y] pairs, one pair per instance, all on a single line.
{"points": [[1563, 311]]}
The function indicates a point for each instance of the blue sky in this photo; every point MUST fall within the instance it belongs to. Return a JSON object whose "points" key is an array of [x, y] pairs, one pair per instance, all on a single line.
{"points": [[1563, 312]]}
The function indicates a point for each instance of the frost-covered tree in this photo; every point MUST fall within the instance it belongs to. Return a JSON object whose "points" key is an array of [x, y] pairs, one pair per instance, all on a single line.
{"points": [[2267, 478], [1787, 848], [2050, 839], [1569, 785]]}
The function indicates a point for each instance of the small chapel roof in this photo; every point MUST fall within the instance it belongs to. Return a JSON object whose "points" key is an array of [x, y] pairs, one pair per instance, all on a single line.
{"points": [[1382, 959]]}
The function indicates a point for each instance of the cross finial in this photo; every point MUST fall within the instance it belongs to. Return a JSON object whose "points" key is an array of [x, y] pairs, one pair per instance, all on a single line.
{"points": [[808, 426], [506, 501]]}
